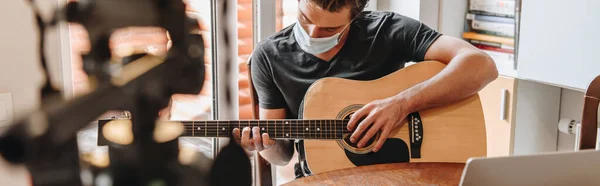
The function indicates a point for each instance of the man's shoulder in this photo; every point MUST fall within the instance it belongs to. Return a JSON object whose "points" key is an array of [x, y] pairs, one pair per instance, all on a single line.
{"points": [[386, 17]]}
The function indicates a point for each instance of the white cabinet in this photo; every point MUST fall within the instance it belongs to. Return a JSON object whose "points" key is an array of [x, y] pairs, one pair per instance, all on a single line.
{"points": [[559, 42]]}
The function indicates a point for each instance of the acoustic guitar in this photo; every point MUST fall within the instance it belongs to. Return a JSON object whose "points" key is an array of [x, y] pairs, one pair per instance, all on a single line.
{"points": [[450, 133]]}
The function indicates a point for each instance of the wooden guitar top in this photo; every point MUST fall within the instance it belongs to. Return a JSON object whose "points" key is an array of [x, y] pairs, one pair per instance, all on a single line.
{"points": [[389, 174]]}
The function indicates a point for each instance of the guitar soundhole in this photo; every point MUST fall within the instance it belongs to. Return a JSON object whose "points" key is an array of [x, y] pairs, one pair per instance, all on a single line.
{"points": [[355, 145], [348, 145]]}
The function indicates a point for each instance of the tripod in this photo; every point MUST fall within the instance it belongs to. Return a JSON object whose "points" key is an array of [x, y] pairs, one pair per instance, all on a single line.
{"points": [[45, 141]]}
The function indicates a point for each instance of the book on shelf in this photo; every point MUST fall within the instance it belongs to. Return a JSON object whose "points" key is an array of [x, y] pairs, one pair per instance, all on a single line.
{"points": [[504, 50], [491, 45], [503, 8], [489, 38], [491, 25], [505, 62], [500, 57]]}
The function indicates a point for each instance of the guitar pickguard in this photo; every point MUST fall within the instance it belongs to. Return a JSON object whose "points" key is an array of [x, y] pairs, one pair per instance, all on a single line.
{"points": [[393, 151]]}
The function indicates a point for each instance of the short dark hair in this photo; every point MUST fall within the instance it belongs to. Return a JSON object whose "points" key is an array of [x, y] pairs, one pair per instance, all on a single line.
{"points": [[356, 6]]}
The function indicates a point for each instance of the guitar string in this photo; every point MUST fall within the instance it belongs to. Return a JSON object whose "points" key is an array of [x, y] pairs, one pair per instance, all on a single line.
{"points": [[300, 135], [294, 132], [282, 127], [261, 124], [220, 129], [264, 129], [279, 137], [210, 134], [259, 121]]}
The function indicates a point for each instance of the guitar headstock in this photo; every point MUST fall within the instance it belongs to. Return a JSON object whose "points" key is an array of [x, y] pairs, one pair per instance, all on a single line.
{"points": [[123, 120]]}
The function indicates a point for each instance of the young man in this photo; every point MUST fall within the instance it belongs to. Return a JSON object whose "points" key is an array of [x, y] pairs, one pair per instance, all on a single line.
{"points": [[336, 38]]}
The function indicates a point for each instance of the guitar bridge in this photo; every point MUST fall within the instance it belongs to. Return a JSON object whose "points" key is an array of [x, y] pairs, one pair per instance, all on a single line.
{"points": [[415, 134]]}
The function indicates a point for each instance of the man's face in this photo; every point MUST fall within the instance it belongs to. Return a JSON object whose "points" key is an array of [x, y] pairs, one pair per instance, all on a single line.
{"points": [[321, 23]]}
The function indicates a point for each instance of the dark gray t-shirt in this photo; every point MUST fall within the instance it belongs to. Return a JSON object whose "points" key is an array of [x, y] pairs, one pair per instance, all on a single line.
{"points": [[378, 43]]}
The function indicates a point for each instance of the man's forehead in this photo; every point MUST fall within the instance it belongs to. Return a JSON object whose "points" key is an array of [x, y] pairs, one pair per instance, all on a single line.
{"points": [[320, 17]]}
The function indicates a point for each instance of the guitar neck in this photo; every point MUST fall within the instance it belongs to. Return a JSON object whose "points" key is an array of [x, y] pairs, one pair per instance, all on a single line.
{"points": [[277, 129]]}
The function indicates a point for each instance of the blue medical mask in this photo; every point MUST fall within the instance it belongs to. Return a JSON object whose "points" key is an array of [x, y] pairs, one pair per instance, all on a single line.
{"points": [[315, 45]]}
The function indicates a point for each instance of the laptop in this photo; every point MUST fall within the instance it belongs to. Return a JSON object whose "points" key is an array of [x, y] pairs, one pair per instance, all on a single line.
{"points": [[554, 168]]}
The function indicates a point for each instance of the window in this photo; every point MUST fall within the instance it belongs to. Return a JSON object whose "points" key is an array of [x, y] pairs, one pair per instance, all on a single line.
{"points": [[132, 40], [289, 9], [129, 41]]}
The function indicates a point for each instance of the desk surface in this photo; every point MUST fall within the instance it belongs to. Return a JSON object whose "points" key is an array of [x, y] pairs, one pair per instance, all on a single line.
{"points": [[389, 174]]}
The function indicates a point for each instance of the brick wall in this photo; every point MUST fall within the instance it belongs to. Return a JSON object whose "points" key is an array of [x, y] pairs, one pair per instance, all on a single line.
{"points": [[245, 47]]}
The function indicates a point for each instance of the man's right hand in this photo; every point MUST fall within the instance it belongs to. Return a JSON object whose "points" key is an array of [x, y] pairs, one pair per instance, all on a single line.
{"points": [[258, 142]]}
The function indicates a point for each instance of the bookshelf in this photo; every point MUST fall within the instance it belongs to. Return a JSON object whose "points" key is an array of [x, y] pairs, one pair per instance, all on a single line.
{"points": [[490, 25], [523, 105]]}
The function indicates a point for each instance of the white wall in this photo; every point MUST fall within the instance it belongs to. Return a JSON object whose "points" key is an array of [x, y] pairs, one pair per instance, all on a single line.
{"points": [[452, 17], [536, 118], [571, 106], [446, 16], [20, 73], [426, 11], [408, 8], [20, 70]]}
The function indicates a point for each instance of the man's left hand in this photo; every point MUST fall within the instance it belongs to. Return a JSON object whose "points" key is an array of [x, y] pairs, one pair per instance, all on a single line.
{"points": [[384, 114]]}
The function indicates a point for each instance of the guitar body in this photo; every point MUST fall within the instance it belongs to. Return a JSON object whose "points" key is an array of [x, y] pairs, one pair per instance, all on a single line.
{"points": [[451, 133]]}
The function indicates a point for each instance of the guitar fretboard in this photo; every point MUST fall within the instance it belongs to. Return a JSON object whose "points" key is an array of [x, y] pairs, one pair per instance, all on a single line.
{"points": [[277, 129]]}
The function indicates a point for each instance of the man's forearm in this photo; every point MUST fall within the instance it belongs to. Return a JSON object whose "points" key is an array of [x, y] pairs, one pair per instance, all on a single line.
{"points": [[464, 76], [280, 154]]}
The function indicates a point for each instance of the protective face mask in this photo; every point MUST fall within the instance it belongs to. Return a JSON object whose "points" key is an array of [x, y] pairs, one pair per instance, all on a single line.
{"points": [[315, 45]]}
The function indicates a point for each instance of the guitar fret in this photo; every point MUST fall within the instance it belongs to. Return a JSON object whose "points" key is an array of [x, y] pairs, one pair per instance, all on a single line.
{"points": [[311, 127], [332, 125], [305, 127], [302, 129], [341, 129], [334, 130], [340, 134], [328, 127], [287, 135], [331, 133], [307, 130], [319, 128], [325, 129], [205, 128], [313, 131]]}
